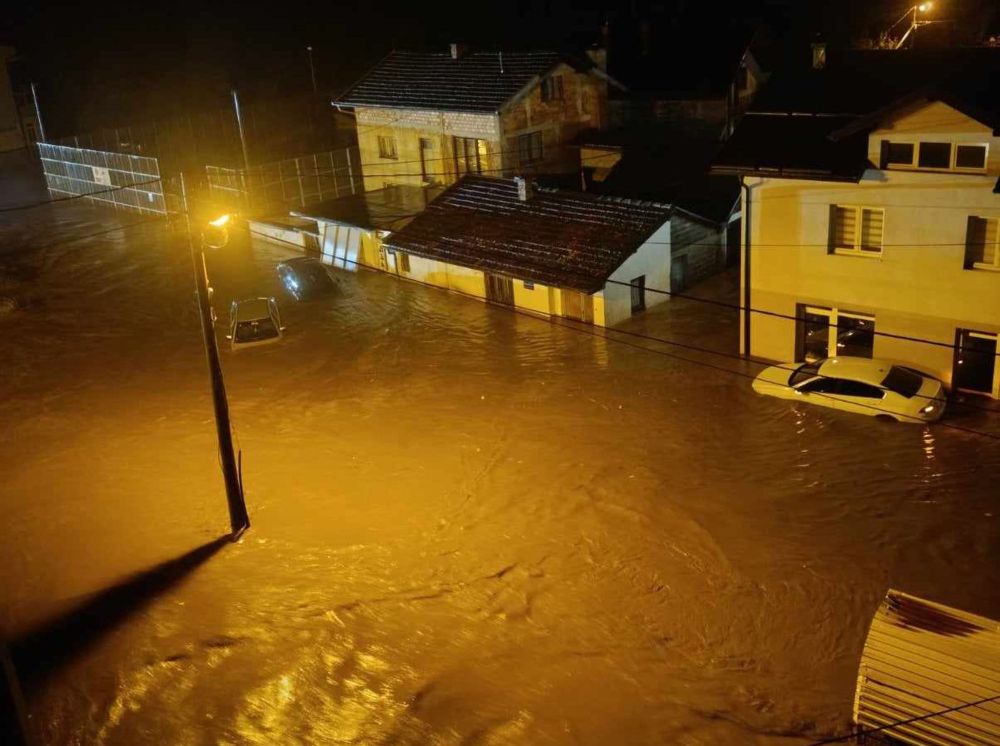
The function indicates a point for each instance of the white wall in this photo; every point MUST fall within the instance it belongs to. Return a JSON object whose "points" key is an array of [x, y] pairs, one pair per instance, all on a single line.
{"points": [[652, 259]]}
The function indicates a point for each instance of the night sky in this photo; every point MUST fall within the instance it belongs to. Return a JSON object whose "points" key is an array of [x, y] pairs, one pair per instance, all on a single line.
{"points": [[111, 62]]}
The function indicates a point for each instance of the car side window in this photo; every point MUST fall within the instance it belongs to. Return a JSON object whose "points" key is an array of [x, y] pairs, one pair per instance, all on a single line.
{"points": [[857, 388], [820, 386]]}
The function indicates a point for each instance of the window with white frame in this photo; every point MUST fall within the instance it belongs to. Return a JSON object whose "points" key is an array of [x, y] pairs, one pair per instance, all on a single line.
{"points": [[856, 230], [934, 156], [982, 243]]}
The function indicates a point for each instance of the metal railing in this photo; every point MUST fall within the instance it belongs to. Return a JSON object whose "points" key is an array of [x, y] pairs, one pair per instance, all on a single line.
{"points": [[282, 185]]}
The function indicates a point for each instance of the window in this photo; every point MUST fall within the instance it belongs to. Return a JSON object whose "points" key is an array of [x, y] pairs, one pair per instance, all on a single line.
{"points": [[529, 285], [529, 148], [903, 381], [939, 156], [552, 88], [934, 155], [470, 155], [857, 388], [897, 153], [803, 373], [976, 366], [828, 332], [856, 230], [403, 261], [426, 146], [970, 156], [982, 243], [387, 147], [638, 290], [820, 386]]}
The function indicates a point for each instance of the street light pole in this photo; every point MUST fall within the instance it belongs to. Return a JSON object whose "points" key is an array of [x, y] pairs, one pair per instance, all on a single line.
{"points": [[239, 520], [312, 70]]}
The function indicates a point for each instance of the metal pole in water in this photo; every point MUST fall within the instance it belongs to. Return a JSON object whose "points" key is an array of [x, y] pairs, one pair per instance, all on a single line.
{"points": [[38, 114], [239, 520]]}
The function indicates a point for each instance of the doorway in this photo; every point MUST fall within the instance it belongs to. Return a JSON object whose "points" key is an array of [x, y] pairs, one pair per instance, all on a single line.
{"points": [[976, 368], [499, 289]]}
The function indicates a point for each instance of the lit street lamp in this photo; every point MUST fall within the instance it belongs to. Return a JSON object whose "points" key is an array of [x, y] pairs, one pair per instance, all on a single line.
{"points": [[923, 7], [216, 236]]}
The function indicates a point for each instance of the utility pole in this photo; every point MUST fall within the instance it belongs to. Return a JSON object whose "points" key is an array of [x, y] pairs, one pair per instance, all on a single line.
{"points": [[312, 70], [239, 520], [38, 114]]}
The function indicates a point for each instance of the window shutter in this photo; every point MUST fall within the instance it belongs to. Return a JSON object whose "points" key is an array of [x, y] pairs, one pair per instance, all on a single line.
{"points": [[871, 230], [975, 237], [831, 242]]}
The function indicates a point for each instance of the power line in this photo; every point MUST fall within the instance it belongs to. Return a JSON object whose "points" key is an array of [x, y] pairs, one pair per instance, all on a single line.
{"points": [[33, 205], [899, 723], [552, 320]]}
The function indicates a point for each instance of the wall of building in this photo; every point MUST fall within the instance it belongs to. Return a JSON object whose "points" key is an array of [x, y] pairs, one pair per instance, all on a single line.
{"points": [[917, 287], [652, 259], [699, 244], [583, 106], [11, 136], [408, 128]]}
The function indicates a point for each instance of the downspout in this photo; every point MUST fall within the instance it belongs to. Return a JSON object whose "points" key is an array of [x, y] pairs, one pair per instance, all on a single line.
{"points": [[746, 267]]}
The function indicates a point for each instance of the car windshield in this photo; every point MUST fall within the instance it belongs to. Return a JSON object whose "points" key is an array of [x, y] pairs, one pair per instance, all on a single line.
{"points": [[803, 373], [903, 381], [256, 330]]}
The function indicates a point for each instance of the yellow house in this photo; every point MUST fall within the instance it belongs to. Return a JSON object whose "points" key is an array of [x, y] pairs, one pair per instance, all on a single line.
{"points": [[875, 235], [557, 253], [431, 118]]}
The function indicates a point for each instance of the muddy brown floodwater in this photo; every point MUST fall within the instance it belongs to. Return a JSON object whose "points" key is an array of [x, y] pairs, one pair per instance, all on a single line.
{"points": [[469, 526]]}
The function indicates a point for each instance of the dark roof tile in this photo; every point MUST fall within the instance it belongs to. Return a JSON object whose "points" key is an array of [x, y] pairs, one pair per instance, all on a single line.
{"points": [[564, 239], [473, 82]]}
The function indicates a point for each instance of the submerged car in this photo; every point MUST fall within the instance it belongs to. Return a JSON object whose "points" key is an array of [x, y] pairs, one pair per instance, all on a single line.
{"points": [[255, 321], [876, 388], [305, 278]]}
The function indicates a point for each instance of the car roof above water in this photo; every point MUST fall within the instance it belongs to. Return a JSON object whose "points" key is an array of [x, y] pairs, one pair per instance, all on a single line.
{"points": [[856, 369], [253, 308]]}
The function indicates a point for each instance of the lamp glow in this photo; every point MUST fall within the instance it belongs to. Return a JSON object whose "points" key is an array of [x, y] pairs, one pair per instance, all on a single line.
{"points": [[220, 221]]}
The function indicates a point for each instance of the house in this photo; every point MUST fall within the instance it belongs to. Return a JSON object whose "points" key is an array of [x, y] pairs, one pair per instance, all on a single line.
{"points": [[553, 252], [871, 203], [426, 118], [928, 675]]}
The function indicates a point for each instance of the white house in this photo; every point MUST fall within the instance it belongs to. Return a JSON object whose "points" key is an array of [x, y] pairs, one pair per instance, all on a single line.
{"points": [[871, 204]]}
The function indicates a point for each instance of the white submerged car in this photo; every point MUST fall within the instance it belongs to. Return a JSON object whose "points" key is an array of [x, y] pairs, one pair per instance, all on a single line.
{"points": [[876, 388], [253, 322]]}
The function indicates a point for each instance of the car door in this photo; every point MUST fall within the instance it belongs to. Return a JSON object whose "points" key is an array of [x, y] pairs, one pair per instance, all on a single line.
{"points": [[821, 390], [860, 397]]}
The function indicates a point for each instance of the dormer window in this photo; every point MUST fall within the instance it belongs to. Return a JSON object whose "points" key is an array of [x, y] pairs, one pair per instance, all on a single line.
{"points": [[934, 156], [552, 88]]}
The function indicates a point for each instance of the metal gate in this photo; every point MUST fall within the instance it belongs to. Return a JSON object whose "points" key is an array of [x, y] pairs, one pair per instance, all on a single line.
{"points": [[119, 180], [499, 289]]}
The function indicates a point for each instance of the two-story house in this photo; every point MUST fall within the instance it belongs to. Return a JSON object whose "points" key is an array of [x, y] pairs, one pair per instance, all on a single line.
{"points": [[871, 206], [428, 118]]}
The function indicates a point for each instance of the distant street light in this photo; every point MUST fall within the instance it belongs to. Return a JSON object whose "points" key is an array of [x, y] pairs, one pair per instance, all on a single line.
{"points": [[914, 23], [312, 70], [216, 236]]}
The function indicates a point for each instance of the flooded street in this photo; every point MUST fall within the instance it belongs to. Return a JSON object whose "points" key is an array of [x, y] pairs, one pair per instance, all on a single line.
{"points": [[468, 525]]}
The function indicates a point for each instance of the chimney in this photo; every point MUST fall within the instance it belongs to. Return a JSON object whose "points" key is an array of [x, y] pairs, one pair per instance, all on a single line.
{"points": [[599, 56], [523, 188], [458, 50], [818, 55]]}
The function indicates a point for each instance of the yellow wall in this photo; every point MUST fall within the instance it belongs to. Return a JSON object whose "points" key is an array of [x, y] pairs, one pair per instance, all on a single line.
{"points": [[918, 286]]}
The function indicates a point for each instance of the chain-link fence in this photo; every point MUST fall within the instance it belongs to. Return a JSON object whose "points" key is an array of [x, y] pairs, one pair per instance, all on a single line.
{"points": [[294, 182], [119, 180]]}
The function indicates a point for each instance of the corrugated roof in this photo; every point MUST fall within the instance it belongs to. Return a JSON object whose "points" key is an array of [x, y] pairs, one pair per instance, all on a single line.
{"points": [[473, 82], [922, 658], [565, 239], [380, 208]]}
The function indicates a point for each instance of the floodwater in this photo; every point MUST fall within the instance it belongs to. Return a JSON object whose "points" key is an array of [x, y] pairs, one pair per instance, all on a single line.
{"points": [[469, 526]]}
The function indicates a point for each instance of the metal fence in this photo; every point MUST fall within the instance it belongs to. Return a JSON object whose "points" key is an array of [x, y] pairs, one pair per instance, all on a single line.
{"points": [[282, 185], [119, 180]]}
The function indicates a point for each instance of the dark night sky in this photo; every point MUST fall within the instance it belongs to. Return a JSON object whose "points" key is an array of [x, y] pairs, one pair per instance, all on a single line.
{"points": [[113, 61]]}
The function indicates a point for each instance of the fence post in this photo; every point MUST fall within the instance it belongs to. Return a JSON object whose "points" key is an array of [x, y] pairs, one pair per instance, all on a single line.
{"points": [[319, 179], [333, 173], [350, 171]]}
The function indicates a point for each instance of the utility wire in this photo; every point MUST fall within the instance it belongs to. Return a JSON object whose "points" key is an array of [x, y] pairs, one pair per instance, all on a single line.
{"points": [[32, 205], [899, 723], [588, 331]]}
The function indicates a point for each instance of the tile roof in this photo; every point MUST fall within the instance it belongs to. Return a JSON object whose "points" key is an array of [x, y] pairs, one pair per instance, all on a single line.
{"points": [[564, 239], [473, 82], [813, 123]]}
